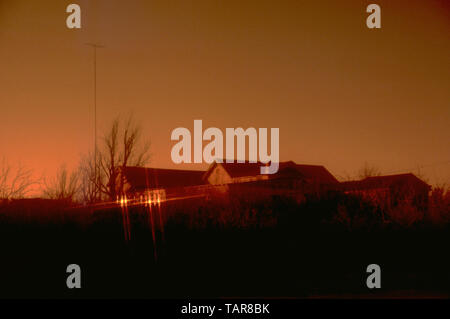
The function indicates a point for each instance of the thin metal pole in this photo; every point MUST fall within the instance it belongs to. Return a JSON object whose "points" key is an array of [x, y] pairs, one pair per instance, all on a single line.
{"points": [[95, 113], [95, 46], [95, 109]]}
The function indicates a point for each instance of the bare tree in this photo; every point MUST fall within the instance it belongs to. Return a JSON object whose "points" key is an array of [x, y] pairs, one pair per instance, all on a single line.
{"points": [[368, 171], [122, 145], [64, 186], [89, 192], [15, 182], [345, 177]]}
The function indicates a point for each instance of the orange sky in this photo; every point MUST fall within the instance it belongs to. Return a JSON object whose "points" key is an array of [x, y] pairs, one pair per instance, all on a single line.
{"points": [[341, 94]]}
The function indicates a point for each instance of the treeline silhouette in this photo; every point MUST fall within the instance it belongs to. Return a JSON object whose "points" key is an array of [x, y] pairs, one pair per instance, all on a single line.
{"points": [[235, 247]]}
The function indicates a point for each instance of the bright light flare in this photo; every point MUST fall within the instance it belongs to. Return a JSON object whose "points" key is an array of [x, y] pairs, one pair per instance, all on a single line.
{"points": [[123, 201]]}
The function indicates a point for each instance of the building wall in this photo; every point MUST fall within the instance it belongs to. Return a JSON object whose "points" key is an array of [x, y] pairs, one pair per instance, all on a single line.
{"points": [[219, 176], [246, 179]]}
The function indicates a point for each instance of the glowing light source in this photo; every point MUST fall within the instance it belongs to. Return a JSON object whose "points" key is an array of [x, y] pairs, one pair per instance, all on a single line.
{"points": [[123, 201]]}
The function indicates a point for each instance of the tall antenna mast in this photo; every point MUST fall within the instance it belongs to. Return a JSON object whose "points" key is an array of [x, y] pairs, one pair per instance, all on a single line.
{"points": [[95, 46]]}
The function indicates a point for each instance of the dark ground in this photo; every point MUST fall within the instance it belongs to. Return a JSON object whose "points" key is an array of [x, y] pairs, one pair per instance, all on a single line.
{"points": [[298, 255]]}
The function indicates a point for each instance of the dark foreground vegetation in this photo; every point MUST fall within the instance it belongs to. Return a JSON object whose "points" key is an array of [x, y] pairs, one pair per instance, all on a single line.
{"points": [[237, 248]]}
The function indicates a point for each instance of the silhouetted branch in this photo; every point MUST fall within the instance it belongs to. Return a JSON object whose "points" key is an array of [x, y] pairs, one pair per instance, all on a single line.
{"points": [[64, 186], [14, 182], [121, 146]]}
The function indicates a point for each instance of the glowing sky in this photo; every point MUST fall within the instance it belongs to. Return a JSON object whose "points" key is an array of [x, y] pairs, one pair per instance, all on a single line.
{"points": [[341, 94]]}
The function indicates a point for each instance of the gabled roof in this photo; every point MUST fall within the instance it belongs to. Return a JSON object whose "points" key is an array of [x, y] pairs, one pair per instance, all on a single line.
{"points": [[242, 169], [141, 178], [310, 173], [386, 181]]}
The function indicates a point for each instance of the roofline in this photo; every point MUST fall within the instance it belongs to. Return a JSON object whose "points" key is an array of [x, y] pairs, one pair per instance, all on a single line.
{"points": [[210, 169], [391, 175], [167, 169]]}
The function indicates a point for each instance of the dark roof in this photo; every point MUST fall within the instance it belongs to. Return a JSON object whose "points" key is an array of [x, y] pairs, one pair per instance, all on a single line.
{"points": [[386, 181], [141, 178], [310, 173], [242, 169]]}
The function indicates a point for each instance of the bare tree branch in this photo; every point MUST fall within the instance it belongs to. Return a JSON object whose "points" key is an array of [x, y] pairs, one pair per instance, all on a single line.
{"points": [[368, 171], [15, 182], [64, 186], [122, 146]]}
